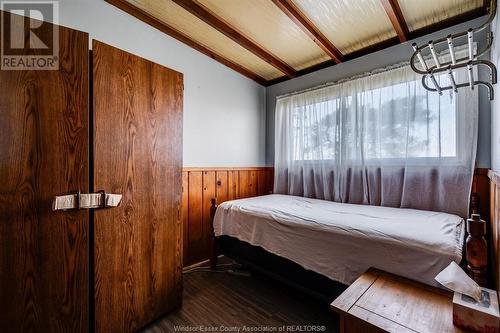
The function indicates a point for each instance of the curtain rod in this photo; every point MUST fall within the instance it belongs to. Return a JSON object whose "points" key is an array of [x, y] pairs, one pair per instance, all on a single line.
{"points": [[354, 77], [365, 74]]}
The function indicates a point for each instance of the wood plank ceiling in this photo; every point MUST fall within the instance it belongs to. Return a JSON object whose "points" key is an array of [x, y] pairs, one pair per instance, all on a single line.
{"points": [[271, 41]]}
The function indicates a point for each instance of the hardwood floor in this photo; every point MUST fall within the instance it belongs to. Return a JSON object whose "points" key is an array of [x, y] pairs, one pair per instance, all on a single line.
{"points": [[215, 299]]}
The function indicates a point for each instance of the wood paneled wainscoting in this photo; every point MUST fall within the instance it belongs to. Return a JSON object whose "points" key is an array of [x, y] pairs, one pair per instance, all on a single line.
{"points": [[199, 186]]}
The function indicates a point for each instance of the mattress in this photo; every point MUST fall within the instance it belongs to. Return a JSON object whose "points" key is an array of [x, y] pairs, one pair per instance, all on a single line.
{"points": [[341, 241]]}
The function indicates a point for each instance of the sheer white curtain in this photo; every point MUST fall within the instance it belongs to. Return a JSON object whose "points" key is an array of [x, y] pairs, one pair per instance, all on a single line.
{"points": [[381, 139]]}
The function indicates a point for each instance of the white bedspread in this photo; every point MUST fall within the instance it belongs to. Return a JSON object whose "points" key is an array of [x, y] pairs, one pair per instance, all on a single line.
{"points": [[341, 241]]}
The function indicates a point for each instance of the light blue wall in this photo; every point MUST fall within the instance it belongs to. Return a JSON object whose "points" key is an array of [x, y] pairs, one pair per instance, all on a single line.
{"points": [[224, 112], [389, 56]]}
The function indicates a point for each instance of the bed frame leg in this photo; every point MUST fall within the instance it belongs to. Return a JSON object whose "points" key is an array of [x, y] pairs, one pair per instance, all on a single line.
{"points": [[213, 239]]}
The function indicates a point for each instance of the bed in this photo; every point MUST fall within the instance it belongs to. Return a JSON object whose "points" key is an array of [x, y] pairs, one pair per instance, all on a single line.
{"points": [[341, 241]]}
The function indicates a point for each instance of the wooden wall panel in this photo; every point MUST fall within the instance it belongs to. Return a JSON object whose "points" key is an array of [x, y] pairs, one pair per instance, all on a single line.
{"points": [[494, 229], [202, 185], [222, 186], [261, 183], [233, 177], [208, 193], [185, 213], [270, 180], [244, 184], [252, 185], [195, 215]]}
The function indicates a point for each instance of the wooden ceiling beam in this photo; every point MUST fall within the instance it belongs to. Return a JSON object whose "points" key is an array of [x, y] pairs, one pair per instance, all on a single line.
{"points": [[149, 19], [215, 22], [301, 20], [397, 19], [449, 22], [165, 28]]}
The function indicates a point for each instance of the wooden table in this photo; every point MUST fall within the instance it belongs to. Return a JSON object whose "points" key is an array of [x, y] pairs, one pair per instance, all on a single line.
{"points": [[378, 301]]}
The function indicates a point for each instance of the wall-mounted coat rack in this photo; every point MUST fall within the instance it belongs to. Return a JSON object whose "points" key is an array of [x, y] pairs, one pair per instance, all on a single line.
{"points": [[430, 64]]}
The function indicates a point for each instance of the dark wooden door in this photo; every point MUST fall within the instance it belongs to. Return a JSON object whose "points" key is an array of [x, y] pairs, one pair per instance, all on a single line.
{"points": [[43, 153], [138, 153]]}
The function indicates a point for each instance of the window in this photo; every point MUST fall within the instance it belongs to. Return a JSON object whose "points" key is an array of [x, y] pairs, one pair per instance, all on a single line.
{"points": [[390, 122], [380, 139]]}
